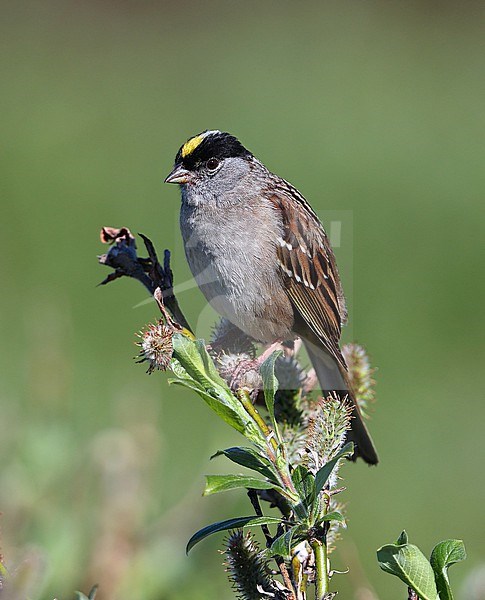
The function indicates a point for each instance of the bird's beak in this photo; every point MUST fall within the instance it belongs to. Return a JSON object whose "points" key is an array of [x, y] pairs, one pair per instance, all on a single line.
{"points": [[178, 175]]}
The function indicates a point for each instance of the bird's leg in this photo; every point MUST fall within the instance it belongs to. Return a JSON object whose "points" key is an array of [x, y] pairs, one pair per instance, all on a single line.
{"points": [[274, 347]]}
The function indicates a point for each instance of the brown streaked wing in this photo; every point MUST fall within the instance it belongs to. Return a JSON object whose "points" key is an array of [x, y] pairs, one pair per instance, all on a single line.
{"points": [[310, 271]]}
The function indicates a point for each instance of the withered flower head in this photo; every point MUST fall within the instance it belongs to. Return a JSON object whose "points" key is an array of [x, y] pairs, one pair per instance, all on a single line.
{"points": [[156, 346], [239, 370], [360, 373], [247, 567], [327, 428]]}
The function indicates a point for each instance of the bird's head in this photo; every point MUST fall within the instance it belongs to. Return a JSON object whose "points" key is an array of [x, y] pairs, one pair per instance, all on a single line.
{"points": [[212, 160]]}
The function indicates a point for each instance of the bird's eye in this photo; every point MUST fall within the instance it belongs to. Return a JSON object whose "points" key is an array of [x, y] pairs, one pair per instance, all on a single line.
{"points": [[212, 164]]}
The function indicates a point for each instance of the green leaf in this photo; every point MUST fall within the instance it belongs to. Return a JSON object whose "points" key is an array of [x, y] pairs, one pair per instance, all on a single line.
{"points": [[332, 516], [196, 361], [250, 458], [90, 596], [407, 562], [210, 368], [93, 591], [223, 483], [195, 369], [324, 473], [402, 539], [236, 523], [444, 555], [305, 485], [225, 412], [270, 384], [282, 545]]}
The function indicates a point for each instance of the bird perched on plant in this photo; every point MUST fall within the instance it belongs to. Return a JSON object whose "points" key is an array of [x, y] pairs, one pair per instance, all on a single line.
{"points": [[262, 258]]}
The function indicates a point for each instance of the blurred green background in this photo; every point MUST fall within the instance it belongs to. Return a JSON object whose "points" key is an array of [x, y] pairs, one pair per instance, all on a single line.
{"points": [[374, 110]]}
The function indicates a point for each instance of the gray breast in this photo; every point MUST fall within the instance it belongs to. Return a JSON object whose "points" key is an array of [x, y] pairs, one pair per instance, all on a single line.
{"points": [[232, 255]]}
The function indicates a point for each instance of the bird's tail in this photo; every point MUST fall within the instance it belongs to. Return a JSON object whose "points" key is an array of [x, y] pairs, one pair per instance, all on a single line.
{"points": [[333, 378]]}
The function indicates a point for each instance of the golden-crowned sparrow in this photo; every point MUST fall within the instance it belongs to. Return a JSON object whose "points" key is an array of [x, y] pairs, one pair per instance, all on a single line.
{"points": [[262, 258]]}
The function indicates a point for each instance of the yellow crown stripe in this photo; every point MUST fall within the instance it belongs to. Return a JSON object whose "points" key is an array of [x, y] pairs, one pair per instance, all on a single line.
{"points": [[191, 145]]}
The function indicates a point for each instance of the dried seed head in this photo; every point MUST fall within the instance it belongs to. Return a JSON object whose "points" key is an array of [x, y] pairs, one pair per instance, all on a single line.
{"points": [[291, 379], [289, 373], [156, 346], [247, 568], [326, 431], [228, 363], [239, 370], [360, 373]]}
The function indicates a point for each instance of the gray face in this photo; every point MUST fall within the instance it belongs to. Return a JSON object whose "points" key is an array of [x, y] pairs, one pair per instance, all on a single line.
{"points": [[222, 185]]}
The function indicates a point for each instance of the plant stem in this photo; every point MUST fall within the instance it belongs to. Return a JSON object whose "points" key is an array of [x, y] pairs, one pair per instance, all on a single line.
{"points": [[286, 578], [320, 551], [272, 444], [321, 569], [245, 400]]}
